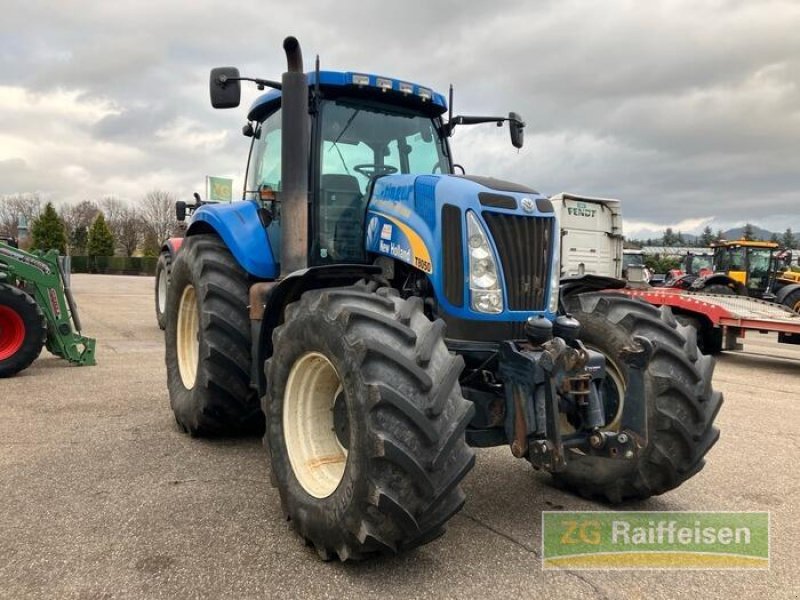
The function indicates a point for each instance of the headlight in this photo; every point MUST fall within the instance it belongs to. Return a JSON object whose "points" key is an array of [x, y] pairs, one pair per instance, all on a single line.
{"points": [[484, 284]]}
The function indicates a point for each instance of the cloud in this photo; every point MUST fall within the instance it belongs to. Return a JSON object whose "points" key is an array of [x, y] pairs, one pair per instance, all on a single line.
{"points": [[680, 109]]}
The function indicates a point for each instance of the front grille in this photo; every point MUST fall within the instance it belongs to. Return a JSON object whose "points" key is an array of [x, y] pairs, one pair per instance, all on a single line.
{"points": [[453, 255], [524, 248]]}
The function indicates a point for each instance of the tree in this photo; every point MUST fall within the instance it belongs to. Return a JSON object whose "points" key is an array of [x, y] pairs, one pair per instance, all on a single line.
{"points": [[669, 239], [101, 240], [79, 215], [748, 234], [48, 231], [158, 212], [151, 245], [15, 207], [788, 240], [129, 227], [774, 238], [720, 235], [78, 240], [707, 237]]}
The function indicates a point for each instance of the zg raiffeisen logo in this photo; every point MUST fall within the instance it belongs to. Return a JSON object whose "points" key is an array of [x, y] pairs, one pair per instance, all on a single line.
{"points": [[655, 540]]}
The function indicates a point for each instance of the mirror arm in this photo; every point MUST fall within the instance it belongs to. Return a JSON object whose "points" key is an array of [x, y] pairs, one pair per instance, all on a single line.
{"points": [[468, 120], [223, 80]]}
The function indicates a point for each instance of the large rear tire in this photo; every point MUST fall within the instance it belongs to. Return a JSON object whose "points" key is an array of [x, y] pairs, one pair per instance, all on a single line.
{"points": [[365, 422], [681, 403], [208, 342], [163, 268], [23, 330]]}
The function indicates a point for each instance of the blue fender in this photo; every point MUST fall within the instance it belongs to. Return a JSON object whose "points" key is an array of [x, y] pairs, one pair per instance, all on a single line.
{"points": [[240, 227]]}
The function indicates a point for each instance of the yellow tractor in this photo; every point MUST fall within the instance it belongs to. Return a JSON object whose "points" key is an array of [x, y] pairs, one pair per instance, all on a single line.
{"points": [[753, 268]]}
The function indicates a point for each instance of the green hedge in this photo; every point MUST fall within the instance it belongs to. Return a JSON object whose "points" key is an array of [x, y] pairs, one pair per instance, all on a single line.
{"points": [[115, 265]]}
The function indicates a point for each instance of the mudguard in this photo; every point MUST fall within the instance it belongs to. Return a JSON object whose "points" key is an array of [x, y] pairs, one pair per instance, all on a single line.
{"points": [[239, 226], [719, 279], [171, 246]]}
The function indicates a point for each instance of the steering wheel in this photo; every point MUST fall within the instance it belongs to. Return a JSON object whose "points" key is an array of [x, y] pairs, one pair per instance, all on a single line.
{"points": [[372, 170]]}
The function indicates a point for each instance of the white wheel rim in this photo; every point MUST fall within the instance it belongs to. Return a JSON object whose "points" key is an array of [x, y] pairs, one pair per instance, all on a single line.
{"points": [[188, 343], [162, 290], [317, 457]]}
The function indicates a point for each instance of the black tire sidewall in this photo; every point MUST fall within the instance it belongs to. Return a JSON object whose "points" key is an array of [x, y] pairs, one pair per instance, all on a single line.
{"points": [[35, 329], [323, 516], [182, 399]]}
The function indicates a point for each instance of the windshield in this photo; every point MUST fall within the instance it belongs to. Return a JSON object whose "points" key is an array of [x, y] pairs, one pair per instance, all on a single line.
{"points": [[698, 262], [359, 142], [635, 260], [759, 267]]}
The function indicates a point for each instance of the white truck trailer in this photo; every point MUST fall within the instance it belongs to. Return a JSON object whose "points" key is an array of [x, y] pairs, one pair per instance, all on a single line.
{"points": [[591, 235]]}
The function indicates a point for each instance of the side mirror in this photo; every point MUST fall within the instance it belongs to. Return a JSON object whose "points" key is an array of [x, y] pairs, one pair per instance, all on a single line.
{"points": [[180, 211], [225, 88], [516, 127]]}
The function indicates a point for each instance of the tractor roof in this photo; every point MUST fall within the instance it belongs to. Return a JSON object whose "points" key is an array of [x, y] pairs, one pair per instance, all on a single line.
{"points": [[746, 244], [376, 87]]}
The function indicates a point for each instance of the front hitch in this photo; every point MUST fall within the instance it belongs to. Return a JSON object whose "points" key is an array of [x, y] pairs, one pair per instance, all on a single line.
{"points": [[560, 379]]}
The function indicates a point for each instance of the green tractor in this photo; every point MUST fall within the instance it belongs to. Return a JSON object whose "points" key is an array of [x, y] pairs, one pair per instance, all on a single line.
{"points": [[37, 310], [381, 316]]}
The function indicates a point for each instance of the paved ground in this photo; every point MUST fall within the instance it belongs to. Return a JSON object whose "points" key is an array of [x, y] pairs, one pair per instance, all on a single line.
{"points": [[101, 497]]}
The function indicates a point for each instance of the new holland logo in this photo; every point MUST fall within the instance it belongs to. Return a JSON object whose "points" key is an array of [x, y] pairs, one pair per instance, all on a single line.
{"points": [[527, 205]]}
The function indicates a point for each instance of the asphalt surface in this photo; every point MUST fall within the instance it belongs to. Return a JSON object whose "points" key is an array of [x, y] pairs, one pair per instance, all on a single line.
{"points": [[102, 497]]}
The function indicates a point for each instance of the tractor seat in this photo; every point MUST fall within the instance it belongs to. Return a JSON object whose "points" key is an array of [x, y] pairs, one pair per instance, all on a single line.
{"points": [[342, 216], [340, 183]]}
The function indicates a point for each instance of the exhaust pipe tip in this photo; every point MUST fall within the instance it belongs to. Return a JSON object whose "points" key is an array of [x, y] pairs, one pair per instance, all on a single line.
{"points": [[294, 56]]}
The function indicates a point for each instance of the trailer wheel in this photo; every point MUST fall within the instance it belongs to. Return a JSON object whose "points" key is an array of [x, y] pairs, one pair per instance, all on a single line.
{"points": [[792, 301], [365, 422], [208, 342], [163, 268], [23, 330], [681, 403]]}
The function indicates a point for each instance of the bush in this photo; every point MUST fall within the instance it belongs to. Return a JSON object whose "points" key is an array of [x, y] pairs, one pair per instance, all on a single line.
{"points": [[115, 265]]}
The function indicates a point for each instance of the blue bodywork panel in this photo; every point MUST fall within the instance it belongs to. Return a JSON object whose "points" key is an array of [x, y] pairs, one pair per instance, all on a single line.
{"points": [[240, 228], [404, 222]]}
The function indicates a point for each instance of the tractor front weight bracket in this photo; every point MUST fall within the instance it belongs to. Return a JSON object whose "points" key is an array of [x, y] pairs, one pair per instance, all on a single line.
{"points": [[558, 381]]}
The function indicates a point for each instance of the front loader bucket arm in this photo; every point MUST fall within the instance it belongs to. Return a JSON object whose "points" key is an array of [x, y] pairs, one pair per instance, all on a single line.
{"points": [[42, 276]]}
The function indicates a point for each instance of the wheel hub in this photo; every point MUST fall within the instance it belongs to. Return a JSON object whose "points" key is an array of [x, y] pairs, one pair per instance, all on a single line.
{"points": [[188, 343], [12, 332], [315, 424]]}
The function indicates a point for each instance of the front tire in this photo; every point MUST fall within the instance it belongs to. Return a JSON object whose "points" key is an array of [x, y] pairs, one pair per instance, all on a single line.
{"points": [[681, 403], [365, 422], [23, 330], [792, 301], [208, 342]]}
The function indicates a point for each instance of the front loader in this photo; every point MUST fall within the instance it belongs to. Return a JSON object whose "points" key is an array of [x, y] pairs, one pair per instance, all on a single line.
{"points": [[379, 316], [37, 310]]}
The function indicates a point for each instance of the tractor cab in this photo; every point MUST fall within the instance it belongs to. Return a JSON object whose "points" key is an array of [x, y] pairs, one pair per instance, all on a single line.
{"points": [[700, 264], [753, 264], [363, 128]]}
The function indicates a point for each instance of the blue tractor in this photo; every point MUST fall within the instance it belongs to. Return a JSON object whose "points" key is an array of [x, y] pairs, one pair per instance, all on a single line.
{"points": [[379, 315]]}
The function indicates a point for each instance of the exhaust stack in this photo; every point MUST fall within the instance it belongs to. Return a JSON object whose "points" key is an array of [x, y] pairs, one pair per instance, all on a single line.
{"points": [[294, 161]]}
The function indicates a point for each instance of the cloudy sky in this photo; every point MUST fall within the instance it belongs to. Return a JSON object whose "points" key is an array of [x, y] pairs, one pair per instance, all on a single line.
{"points": [[687, 111]]}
